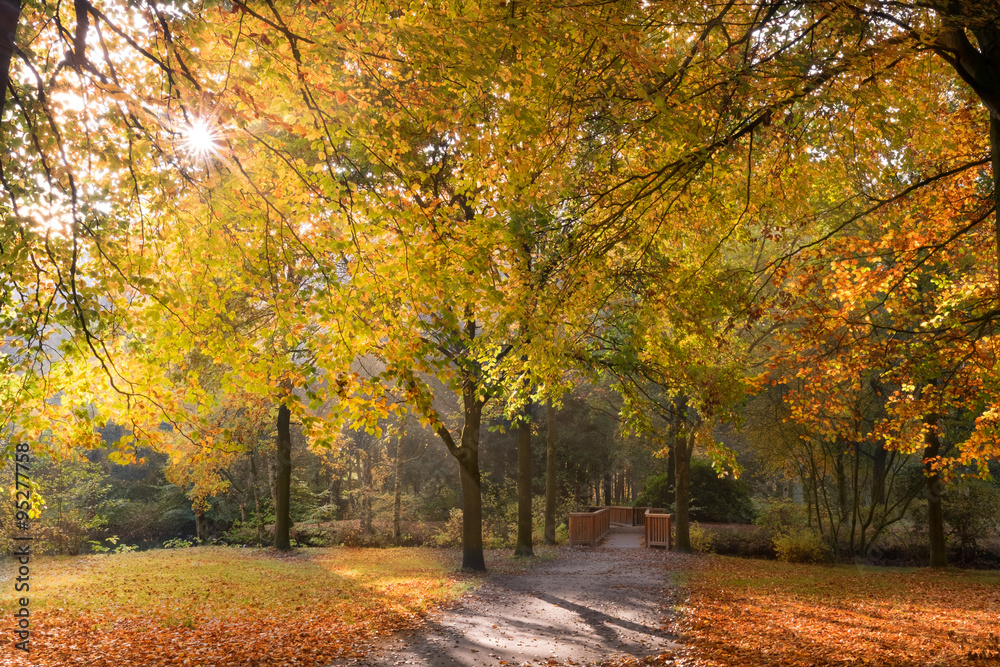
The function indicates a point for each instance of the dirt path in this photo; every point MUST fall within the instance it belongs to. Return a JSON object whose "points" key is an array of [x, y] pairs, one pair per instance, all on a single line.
{"points": [[589, 604]]}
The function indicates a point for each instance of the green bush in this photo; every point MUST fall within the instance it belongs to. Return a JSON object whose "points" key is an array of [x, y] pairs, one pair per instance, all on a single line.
{"points": [[701, 539], [714, 499], [248, 532], [800, 545], [655, 492]]}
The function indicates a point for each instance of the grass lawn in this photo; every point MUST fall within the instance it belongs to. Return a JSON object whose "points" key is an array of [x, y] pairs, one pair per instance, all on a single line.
{"points": [[225, 606], [735, 611]]}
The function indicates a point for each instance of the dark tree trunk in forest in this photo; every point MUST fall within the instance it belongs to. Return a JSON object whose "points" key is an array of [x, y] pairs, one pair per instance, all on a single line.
{"points": [[201, 525], [524, 546], [397, 495], [283, 481], [367, 482], [879, 473], [550, 473], [607, 490], [683, 445], [995, 147], [672, 461], [258, 513], [10, 14], [935, 488], [472, 512], [842, 502]]}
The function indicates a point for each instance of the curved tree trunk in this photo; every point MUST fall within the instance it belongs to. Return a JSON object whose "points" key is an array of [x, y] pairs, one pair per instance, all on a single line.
{"points": [[467, 454], [524, 546], [283, 481]]}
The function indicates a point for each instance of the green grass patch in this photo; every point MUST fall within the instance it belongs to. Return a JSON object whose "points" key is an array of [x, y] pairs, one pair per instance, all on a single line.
{"points": [[213, 582]]}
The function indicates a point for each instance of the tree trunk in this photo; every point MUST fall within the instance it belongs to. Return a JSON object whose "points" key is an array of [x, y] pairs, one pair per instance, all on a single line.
{"points": [[550, 474], [842, 508], [995, 148], [367, 481], [879, 473], [10, 14], [397, 498], [201, 525], [467, 455], [472, 513], [607, 489], [283, 481], [524, 546], [935, 488], [672, 460], [258, 513], [682, 500]]}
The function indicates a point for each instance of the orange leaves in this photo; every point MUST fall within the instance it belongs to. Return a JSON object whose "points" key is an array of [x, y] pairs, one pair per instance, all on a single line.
{"points": [[216, 606], [743, 612]]}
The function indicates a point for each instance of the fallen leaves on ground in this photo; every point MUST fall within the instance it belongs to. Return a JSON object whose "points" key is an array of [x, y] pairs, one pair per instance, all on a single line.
{"points": [[222, 607], [762, 613]]}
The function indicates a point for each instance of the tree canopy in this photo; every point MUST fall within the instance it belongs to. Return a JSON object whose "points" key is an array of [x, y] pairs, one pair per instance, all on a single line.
{"points": [[343, 208]]}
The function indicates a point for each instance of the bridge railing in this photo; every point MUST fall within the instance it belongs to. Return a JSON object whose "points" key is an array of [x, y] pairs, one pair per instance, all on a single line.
{"points": [[658, 529], [591, 527]]}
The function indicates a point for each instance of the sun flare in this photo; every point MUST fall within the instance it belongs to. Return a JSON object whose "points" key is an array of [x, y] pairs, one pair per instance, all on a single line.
{"points": [[201, 138]]}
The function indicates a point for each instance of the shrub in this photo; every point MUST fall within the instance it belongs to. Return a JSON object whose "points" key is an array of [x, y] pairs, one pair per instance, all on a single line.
{"points": [[450, 534], [714, 499], [655, 492], [780, 515], [701, 539], [744, 540], [718, 499], [248, 532], [971, 510], [177, 543], [800, 545]]}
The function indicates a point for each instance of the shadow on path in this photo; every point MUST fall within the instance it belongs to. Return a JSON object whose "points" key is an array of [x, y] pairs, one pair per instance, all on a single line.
{"points": [[589, 604]]}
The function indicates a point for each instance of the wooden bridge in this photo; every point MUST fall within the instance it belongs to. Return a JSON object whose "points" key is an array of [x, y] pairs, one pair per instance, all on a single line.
{"points": [[589, 528]]}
